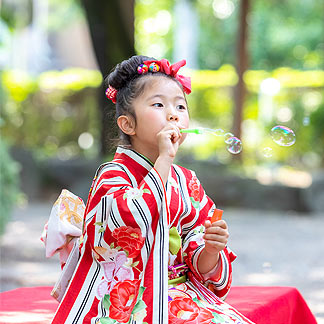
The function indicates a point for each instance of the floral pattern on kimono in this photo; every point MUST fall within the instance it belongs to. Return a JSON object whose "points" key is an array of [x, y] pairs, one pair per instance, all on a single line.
{"points": [[122, 274]]}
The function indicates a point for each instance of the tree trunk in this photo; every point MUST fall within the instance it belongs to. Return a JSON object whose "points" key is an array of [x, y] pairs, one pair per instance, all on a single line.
{"points": [[242, 62], [111, 24]]}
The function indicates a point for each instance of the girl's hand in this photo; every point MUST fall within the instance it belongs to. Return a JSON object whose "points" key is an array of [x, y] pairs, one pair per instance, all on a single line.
{"points": [[169, 141], [216, 236]]}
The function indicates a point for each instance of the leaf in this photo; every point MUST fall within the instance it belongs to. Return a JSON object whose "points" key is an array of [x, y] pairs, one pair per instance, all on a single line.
{"points": [[106, 320], [139, 306], [98, 223], [100, 250], [140, 293], [118, 248], [106, 302], [147, 191], [194, 202], [125, 195], [102, 229], [112, 245], [198, 302], [217, 318], [135, 264]]}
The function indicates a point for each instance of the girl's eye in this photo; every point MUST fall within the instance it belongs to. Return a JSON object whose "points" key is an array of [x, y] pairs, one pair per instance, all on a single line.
{"points": [[181, 107], [157, 104]]}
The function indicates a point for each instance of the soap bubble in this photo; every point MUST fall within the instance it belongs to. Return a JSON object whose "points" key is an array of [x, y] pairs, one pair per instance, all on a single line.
{"points": [[234, 145], [267, 267], [306, 121], [283, 135], [267, 152], [228, 138]]}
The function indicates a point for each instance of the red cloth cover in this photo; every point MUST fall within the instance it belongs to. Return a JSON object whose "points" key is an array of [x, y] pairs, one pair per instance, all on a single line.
{"points": [[263, 305], [267, 305]]}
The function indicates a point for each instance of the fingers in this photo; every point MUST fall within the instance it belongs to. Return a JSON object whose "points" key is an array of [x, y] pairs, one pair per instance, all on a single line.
{"points": [[173, 132], [215, 243], [216, 232], [221, 223], [214, 247], [207, 224], [219, 227], [216, 238]]}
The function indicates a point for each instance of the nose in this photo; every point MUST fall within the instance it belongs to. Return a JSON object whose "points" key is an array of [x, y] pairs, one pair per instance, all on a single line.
{"points": [[172, 116]]}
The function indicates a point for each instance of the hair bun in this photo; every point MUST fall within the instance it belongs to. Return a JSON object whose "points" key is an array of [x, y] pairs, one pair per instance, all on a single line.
{"points": [[125, 71]]}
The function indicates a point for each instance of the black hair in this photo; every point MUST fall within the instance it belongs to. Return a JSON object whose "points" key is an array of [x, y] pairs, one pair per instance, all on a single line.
{"points": [[126, 80]]}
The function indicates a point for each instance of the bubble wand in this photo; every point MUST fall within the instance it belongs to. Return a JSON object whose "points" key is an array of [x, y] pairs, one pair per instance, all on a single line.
{"points": [[199, 130]]}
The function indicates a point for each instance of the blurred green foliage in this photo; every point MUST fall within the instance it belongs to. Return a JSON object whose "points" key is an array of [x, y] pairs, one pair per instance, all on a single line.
{"points": [[48, 114], [9, 171], [17, 14], [298, 103], [55, 112], [285, 44], [153, 27], [280, 33]]}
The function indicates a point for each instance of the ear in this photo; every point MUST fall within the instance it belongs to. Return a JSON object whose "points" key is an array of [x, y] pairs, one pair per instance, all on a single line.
{"points": [[126, 124]]}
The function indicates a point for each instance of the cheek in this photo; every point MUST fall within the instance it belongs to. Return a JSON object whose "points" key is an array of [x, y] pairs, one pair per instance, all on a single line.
{"points": [[185, 120], [154, 118]]}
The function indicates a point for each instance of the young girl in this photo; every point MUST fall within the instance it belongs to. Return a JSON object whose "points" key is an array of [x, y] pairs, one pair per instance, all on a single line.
{"points": [[150, 253]]}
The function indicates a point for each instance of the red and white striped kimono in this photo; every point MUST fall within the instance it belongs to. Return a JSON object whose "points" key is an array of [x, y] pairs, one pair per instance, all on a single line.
{"points": [[135, 231]]}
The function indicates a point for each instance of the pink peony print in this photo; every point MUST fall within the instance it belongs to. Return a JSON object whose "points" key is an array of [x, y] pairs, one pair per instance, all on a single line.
{"points": [[114, 272]]}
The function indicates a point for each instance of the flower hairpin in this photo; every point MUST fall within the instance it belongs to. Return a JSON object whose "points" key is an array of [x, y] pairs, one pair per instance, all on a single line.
{"points": [[111, 93]]}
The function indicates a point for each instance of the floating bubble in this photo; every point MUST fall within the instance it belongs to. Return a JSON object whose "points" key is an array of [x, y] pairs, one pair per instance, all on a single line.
{"points": [[306, 121], [267, 152], [228, 138], [234, 145], [283, 135], [267, 267]]}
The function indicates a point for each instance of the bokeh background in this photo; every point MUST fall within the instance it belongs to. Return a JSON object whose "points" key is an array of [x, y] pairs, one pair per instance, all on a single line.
{"points": [[254, 65]]}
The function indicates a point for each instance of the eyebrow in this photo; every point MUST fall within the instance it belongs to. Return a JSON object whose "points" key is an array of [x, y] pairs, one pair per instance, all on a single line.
{"points": [[162, 96]]}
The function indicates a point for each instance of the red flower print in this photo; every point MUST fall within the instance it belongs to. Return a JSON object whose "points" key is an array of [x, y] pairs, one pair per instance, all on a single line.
{"points": [[186, 311], [194, 188], [123, 298], [129, 239]]}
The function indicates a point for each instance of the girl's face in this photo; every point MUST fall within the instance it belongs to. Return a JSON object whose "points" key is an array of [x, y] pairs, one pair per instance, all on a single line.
{"points": [[162, 98]]}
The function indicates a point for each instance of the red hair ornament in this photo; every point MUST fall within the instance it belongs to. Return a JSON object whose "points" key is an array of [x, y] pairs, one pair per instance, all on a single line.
{"points": [[172, 70], [163, 66], [111, 93]]}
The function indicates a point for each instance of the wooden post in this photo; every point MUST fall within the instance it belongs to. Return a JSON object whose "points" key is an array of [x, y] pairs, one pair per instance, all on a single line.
{"points": [[111, 25], [241, 66]]}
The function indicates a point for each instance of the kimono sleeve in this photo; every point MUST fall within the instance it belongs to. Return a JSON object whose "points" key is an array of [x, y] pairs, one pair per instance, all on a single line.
{"points": [[218, 279]]}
